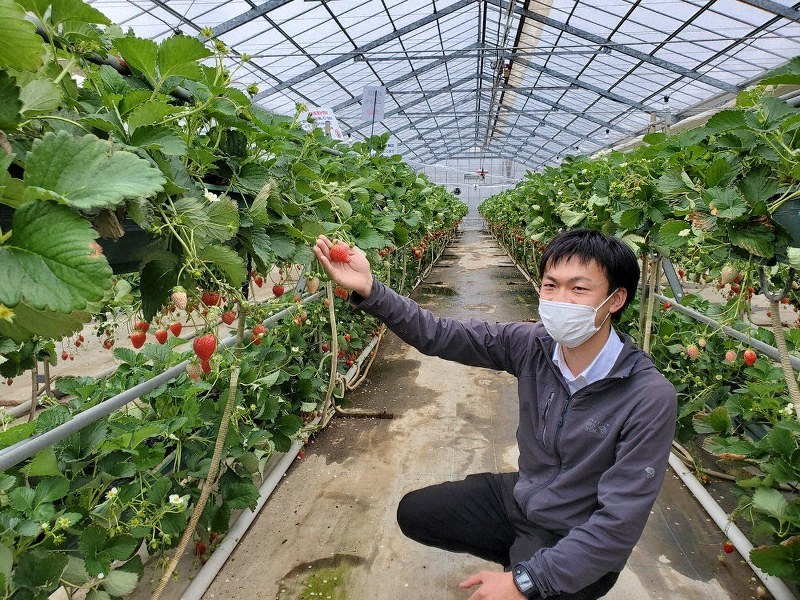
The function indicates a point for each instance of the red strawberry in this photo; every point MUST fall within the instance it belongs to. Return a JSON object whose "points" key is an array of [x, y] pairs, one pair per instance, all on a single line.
{"points": [[199, 549], [693, 352], [749, 357], [175, 327], [204, 346], [728, 547], [228, 317], [730, 356], [80, 338], [297, 298], [161, 336], [258, 333], [210, 298], [194, 371], [108, 343], [138, 338], [258, 280], [179, 297], [64, 355], [205, 365], [324, 347], [77, 343], [346, 337], [340, 252], [681, 273], [142, 326], [277, 289]]}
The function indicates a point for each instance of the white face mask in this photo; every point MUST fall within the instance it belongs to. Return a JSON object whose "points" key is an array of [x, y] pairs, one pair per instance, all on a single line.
{"points": [[570, 324]]}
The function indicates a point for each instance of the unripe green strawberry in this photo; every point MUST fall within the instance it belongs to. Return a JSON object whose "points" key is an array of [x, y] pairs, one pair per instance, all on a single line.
{"points": [[727, 275], [194, 371], [179, 297]]}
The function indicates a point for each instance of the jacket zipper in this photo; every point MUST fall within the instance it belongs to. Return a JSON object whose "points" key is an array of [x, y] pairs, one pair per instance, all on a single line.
{"points": [[544, 418]]}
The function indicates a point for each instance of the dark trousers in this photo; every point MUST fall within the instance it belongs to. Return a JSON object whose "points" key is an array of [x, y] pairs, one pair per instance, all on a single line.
{"points": [[479, 516]]}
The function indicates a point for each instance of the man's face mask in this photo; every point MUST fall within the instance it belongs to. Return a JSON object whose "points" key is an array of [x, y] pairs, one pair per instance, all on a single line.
{"points": [[570, 324]]}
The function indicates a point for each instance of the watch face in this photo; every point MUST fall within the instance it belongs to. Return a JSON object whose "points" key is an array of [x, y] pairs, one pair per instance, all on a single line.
{"points": [[523, 580]]}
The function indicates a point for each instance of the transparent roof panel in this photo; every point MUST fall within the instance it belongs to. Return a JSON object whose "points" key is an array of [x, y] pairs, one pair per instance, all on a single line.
{"points": [[469, 76]]}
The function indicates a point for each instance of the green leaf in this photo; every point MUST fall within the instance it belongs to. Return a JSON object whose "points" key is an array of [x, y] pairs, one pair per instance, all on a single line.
{"points": [[781, 560], [674, 181], [720, 173], [52, 417], [725, 120], [47, 324], [753, 238], [75, 573], [159, 276], [342, 206], [51, 489], [119, 583], [673, 234], [758, 186], [786, 74], [16, 434], [6, 567], [223, 220], [227, 261], [289, 425], [179, 55], [770, 501], [159, 138], [39, 569], [20, 47], [100, 550], [282, 246], [632, 219], [40, 96], [794, 257], [140, 55], [65, 10], [239, 494], [86, 173], [727, 201], [60, 271], [717, 421], [149, 113], [43, 464], [371, 239], [10, 103]]}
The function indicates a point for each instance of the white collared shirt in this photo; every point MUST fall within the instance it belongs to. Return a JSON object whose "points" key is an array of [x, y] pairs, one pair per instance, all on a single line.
{"points": [[600, 367]]}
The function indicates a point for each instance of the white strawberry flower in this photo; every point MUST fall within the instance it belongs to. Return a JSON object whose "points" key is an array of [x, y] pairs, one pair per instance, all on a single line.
{"points": [[210, 196], [112, 493], [175, 499]]}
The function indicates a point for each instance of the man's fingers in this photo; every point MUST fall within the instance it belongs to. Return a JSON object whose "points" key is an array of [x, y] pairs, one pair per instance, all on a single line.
{"points": [[471, 581], [322, 257]]}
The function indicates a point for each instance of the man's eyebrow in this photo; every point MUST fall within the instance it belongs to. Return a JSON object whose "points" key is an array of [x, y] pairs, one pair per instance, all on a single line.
{"points": [[572, 279]]}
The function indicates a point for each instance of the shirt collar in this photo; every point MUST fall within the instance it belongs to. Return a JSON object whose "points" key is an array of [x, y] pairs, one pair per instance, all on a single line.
{"points": [[597, 370]]}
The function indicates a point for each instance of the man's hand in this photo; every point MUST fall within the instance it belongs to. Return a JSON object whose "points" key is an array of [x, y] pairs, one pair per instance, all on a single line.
{"points": [[493, 586], [354, 275]]}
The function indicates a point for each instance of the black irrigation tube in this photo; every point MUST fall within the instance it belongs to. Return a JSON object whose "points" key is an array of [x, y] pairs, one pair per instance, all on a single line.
{"points": [[24, 449]]}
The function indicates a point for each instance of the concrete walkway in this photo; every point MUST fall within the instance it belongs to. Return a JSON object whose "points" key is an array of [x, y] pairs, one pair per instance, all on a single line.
{"points": [[329, 530]]}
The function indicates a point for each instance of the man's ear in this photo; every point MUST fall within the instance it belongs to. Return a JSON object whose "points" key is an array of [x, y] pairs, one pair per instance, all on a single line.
{"points": [[618, 300]]}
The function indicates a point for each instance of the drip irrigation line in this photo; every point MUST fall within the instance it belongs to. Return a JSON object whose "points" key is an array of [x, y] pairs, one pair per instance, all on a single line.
{"points": [[26, 448]]}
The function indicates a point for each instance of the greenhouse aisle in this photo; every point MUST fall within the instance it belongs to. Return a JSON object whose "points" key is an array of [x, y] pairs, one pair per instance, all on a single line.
{"points": [[329, 530]]}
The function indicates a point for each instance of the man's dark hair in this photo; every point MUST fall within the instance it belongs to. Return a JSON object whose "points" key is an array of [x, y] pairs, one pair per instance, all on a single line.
{"points": [[614, 257]]}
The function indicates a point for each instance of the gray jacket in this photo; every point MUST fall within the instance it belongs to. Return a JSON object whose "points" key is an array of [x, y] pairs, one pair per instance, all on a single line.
{"points": [[591, 464]]}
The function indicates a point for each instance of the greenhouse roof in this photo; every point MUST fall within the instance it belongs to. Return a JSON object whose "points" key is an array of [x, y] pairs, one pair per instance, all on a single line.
{"points": [[532, 81]]}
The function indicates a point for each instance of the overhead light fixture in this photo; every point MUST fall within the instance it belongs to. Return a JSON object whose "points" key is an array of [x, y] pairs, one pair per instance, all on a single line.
{"points": [[666, 101], [608, 133]]}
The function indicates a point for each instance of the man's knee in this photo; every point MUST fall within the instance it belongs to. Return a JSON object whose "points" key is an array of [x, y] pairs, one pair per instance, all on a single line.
{"points": [[409, 513]]}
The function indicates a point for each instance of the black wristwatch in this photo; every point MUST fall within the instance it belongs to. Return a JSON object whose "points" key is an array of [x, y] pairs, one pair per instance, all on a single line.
{"points": [[524, 582]]}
